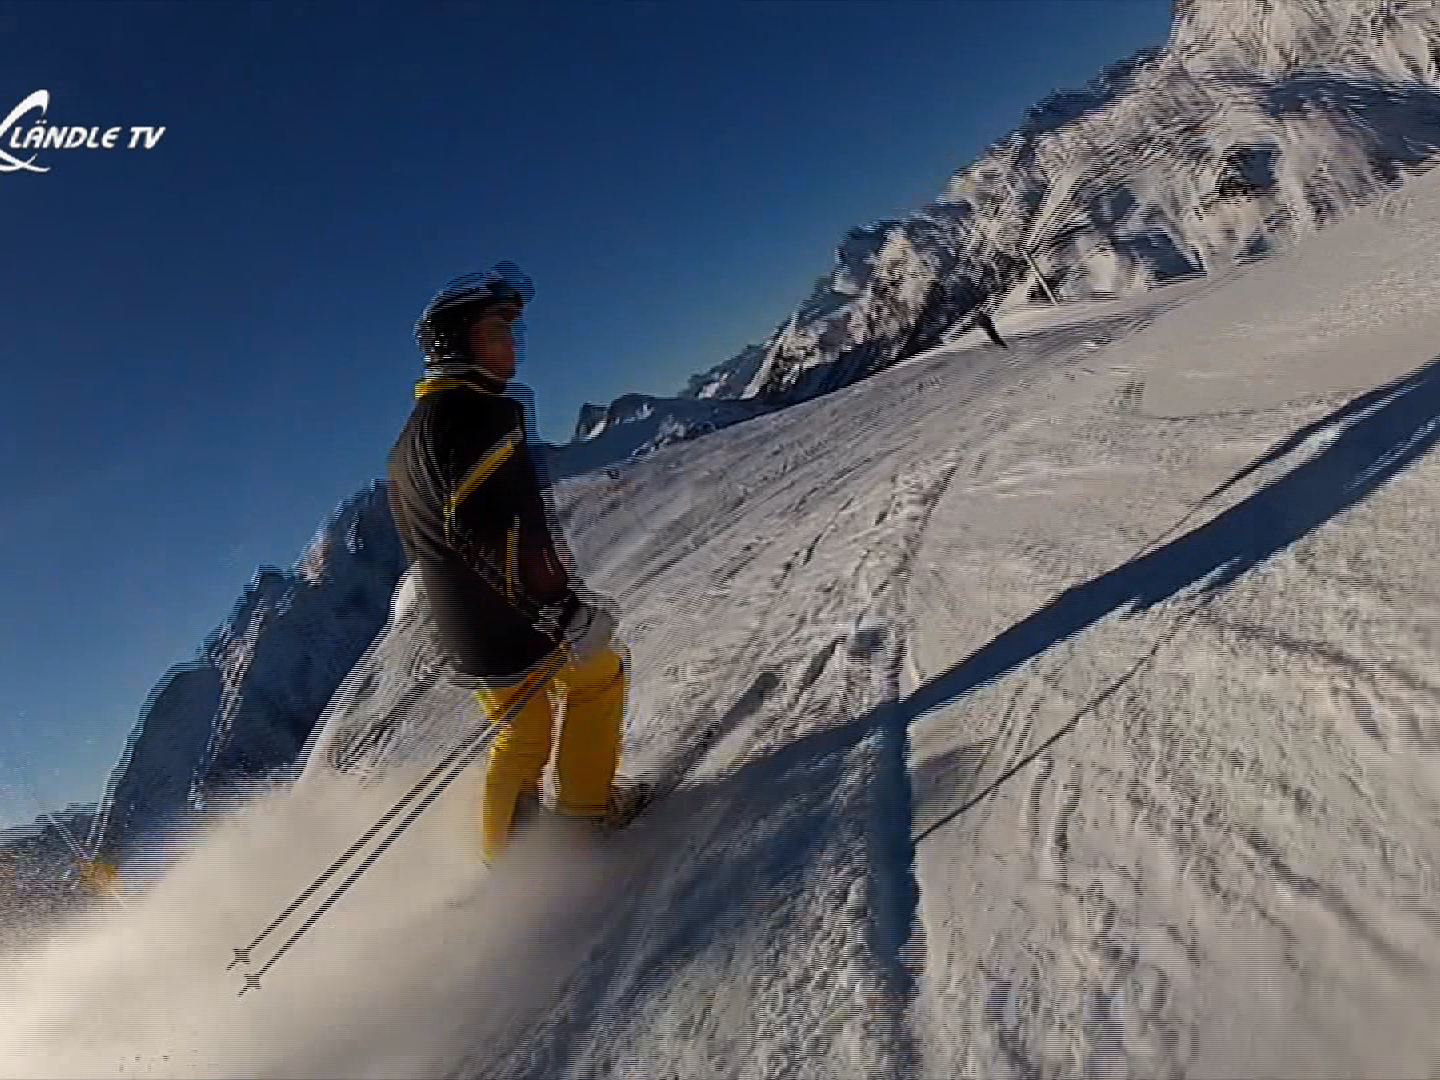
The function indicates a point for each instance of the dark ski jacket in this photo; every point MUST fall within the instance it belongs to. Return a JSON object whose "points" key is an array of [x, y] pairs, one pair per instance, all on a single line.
{"points": [[468, 493]]}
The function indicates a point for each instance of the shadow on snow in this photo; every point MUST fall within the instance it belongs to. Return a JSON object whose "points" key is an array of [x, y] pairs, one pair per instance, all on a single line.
{"points": [[775, 812], [1384, 432]]}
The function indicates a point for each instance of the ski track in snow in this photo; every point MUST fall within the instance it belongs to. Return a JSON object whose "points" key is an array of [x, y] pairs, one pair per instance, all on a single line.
{"points": [[1059, 734]]}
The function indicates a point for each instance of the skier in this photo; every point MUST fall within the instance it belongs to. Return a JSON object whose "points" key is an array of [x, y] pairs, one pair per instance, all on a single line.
{"points": [[468, 496], [983, 320]]}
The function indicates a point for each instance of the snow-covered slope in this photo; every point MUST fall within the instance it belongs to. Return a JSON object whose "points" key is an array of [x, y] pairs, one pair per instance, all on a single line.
{"points": [[1086, 729], [245, 706]]}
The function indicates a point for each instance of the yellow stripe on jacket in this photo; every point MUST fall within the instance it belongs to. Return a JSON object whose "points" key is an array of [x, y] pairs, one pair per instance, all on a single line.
{"points": [[512, 560], [481, 470]]}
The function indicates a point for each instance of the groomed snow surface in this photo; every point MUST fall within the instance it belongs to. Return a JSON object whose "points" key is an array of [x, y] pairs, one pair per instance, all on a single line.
{"points": [[1079, 717]]}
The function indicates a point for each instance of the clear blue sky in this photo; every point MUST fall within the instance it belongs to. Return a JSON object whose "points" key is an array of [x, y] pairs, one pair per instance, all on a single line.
{"points": [[207, 345]]}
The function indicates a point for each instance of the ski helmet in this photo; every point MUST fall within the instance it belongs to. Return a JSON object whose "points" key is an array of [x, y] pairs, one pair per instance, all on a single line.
{"points": [[442, 326]]}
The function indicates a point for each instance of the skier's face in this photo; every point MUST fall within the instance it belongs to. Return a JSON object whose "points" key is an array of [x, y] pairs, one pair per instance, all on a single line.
{"points": [[496, 339]]}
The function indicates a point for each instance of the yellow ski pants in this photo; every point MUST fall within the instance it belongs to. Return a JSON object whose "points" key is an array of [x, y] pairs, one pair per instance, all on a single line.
{"points": [[596, 690]]}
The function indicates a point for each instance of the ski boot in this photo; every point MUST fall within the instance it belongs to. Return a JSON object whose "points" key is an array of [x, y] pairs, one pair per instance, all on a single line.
{"points": [[627, 802]]}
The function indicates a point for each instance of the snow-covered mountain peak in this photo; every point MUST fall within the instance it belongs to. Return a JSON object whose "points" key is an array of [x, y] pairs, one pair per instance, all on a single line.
{"points": [[244, 706], [1257, 123], [1383, 39]]}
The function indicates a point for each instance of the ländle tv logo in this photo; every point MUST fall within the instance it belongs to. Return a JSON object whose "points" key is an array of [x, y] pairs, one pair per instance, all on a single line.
{"points": [[40, 134]]}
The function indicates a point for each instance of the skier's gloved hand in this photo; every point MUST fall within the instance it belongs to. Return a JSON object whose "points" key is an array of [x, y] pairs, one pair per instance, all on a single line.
{"points": [[590, 629]]}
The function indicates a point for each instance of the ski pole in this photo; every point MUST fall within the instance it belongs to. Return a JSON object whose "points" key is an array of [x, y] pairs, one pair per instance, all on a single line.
{"points": [[468, 749], [537, 615], [455, 762]]}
